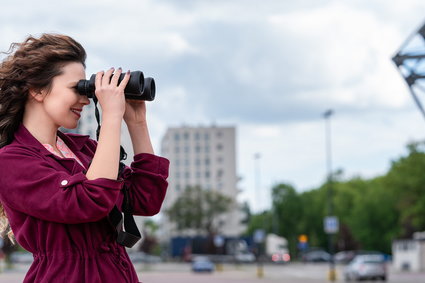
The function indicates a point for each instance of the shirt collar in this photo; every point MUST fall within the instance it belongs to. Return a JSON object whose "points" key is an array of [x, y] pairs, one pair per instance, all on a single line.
{"points": [[73, 141]]}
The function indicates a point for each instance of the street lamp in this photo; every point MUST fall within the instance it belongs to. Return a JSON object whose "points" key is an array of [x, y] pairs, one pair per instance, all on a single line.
{"points": [[259, 234], [330, 222], [257, 157]]}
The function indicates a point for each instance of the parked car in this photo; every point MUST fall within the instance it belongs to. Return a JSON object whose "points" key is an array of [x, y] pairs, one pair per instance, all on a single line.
{"points": [[316, 256], [245, 257], [344, 257], [202, 264], [137, 257], [21, 257], [366, 266]]}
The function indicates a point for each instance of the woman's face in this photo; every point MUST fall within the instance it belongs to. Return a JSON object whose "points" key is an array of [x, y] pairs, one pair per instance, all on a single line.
{"points": [[63, 104]]}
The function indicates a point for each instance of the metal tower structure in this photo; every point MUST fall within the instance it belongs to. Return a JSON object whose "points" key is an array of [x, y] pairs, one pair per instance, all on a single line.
{"points": [[410, 61]]}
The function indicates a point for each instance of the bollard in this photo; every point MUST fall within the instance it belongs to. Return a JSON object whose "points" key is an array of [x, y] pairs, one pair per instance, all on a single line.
{"points": [[260, 271], [332, 275]]}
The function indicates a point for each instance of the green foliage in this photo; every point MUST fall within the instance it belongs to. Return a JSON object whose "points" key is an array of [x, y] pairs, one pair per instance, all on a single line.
{"points": [[372, 212], [261, 221], [406, 179], [311, 222], [197, 209], [287, 210]]}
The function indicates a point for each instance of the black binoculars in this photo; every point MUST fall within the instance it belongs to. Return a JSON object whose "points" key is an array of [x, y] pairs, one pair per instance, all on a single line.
{"points": [[138, 87]]}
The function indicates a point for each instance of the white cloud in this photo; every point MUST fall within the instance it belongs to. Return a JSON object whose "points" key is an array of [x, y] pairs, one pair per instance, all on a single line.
{"points": [[270, 67]]}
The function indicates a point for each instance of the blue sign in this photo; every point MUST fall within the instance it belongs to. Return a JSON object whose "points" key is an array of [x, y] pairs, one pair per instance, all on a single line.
{"points": [[259, 235], [331, 224]]}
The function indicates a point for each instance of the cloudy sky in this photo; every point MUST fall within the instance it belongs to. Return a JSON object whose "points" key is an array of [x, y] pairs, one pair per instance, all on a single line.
{"points": [[271, 68]]}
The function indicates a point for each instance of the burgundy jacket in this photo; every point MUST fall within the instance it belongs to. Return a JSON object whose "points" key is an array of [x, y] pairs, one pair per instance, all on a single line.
{"points": [[60, 216]]}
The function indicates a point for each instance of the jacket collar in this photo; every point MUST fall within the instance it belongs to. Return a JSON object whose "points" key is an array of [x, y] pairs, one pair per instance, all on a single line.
{"points": [[73, 141]]}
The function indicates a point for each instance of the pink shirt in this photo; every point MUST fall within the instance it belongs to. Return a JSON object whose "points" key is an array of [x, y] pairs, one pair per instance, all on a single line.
{"points": [[64, 149]]}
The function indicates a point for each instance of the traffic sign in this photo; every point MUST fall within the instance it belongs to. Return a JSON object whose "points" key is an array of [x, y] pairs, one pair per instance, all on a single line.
{"points": [[302, 238], [331, 224], [259, 235]]}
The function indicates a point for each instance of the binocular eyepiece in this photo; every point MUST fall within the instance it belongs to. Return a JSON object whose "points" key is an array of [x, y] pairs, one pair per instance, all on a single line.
{"points": [[138, 87]]}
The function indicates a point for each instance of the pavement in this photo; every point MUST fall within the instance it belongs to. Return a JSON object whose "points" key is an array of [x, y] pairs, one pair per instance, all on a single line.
{"points": [[231, 273]]}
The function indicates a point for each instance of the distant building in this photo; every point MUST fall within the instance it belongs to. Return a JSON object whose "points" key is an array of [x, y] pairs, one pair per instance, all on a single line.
{"points": [[205, 157], [409, 255]]}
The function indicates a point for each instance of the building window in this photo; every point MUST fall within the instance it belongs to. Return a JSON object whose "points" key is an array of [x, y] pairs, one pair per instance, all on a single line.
{"points": [[219, 146], [220, 173], [207, 161], [186, 136], [176, 149], [198, 162], [178, 187], [197, 136], [207, 174], [219, 159], [206, 136], [220, 186], [187, 174], [186, 162], [176, 137]]}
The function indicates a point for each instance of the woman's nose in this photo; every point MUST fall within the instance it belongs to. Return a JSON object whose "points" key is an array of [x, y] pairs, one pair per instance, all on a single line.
{"points": [[84, 100]]}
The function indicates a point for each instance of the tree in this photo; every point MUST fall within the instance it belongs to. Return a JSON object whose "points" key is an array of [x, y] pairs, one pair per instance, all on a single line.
{"points": [[287, 211], [406, 179], [197, 209], [372, 217], [149, 244], [258, 221], [313, 204]]}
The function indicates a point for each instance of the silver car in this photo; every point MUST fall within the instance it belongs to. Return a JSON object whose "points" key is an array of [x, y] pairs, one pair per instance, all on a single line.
{"points": [[366, 266]]}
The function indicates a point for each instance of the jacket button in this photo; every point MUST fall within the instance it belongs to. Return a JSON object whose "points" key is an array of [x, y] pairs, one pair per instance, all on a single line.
{"points": [[64, 183]]}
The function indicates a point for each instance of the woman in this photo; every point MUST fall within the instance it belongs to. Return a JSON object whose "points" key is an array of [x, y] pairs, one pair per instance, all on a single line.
{"points": [[56, 189]]}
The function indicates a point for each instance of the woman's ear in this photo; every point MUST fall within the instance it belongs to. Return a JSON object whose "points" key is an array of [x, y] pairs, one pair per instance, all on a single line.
{"points": [[37, 95]]}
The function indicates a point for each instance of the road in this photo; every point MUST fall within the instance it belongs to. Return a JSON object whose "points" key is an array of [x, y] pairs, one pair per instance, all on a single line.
{"points": [[247, 273]]}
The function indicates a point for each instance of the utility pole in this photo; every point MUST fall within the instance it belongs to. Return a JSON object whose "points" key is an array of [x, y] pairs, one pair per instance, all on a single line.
{"points": [[330, 222], [259, 234]]}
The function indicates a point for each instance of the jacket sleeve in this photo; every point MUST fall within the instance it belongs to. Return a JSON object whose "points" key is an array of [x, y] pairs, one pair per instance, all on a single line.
{"points": [[147, 184], [29, 184]]}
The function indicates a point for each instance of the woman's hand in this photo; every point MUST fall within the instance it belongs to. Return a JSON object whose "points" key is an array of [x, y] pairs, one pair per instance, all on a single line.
{"points": [[135, 118], [110, 94], [135, 112]]}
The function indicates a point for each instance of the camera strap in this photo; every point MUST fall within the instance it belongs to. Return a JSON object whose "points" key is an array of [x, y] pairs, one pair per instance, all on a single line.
{"points": [[130, 235]]}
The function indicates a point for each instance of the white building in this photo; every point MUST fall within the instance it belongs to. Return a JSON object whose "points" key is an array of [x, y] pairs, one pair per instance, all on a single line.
{"points": [[409, 255], [205, 157]]}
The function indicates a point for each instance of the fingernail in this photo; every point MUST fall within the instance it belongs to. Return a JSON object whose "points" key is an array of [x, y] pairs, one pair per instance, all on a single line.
{"points": [[112, 68], [128, 72], [120, 68]]}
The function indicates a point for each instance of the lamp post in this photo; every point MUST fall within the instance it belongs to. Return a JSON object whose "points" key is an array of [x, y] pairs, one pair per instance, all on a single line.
{"points": [[330, 222], [257, 157], [259, 233]]}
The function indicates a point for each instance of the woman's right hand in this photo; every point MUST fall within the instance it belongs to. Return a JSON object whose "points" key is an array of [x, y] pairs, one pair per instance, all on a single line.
{"points": [[110, 94]]}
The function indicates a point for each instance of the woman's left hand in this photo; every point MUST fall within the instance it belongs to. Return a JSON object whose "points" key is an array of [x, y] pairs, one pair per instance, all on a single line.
{"points": [[135, 112]]}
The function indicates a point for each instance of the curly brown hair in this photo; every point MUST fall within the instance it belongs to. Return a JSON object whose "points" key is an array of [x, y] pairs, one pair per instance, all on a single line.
{"points": [[30, 65]]}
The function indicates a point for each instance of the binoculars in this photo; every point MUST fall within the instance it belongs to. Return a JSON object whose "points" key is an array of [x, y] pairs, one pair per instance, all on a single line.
{"points": [[138, 87]]}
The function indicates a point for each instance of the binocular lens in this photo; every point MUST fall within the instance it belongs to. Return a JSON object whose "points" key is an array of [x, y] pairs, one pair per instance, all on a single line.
{"points": [[138, 87]]}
